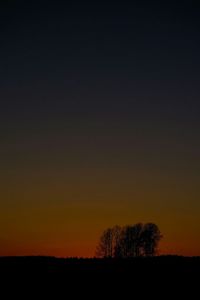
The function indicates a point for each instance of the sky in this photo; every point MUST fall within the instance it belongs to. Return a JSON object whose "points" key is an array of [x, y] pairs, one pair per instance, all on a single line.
{"points": [[99, 123]]}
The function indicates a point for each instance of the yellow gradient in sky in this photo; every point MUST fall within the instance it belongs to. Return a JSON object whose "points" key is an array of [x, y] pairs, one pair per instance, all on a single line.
{"points": [[64, 215]]}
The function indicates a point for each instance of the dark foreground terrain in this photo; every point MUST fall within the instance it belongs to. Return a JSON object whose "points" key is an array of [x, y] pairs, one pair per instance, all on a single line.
{"points": [[130, 278]]}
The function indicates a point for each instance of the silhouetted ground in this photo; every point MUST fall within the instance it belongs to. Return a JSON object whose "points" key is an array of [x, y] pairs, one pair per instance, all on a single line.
{"points": [[158, 276]]}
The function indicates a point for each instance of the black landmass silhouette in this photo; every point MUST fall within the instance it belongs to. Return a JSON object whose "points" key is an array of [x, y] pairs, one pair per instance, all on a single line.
{"points": [[153, 276]]}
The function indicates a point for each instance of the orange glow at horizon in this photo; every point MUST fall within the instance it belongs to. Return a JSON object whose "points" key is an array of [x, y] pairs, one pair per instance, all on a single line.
{"points": [[61, 209], [72, 225]]}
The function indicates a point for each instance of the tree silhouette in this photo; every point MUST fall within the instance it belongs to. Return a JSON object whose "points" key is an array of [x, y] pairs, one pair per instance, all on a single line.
{"points": [[129, 241], [150, 239], [132, 240], [109, 242], [105, 247]]}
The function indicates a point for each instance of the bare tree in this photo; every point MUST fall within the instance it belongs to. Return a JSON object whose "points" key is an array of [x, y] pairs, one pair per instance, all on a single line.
{"points": [[116, 240], [120, 249], [150, 238], [129, 241], [105, 246], [136, 231], [109, 242]]}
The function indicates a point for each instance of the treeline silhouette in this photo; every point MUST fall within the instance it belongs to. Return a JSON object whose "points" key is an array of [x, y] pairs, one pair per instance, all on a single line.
{"points": [[129, 241], [127, 265]]}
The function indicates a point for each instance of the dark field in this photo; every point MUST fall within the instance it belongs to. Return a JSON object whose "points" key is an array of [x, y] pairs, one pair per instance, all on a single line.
{"points": [[158, 276]]}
